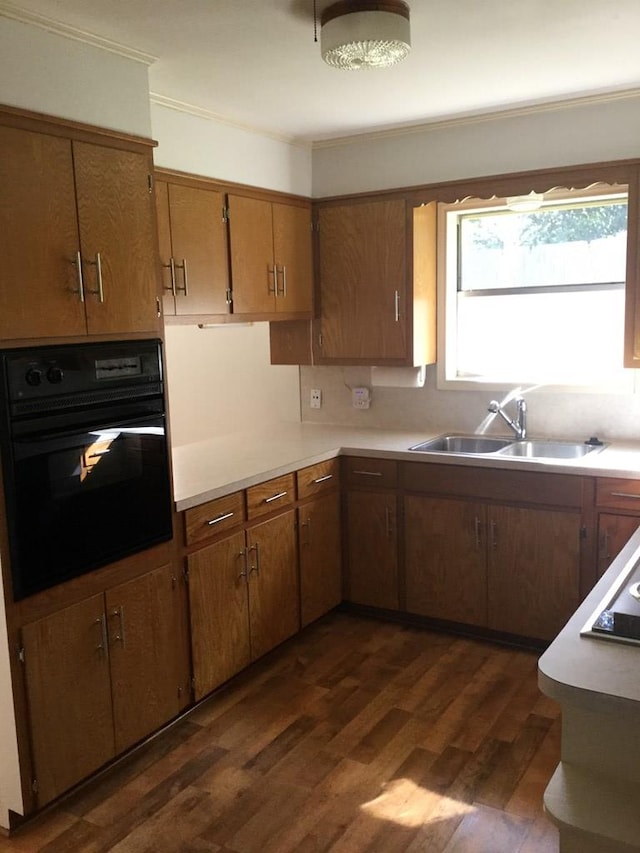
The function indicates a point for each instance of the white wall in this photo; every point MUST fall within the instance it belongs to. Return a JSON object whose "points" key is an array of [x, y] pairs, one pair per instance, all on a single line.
{"points": [[51, 74], [585, 133], [220, 380]]}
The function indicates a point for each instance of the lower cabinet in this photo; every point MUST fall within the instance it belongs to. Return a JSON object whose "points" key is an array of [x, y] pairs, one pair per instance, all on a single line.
{"points": [[103, 674], [320, 557], [618, 507]]}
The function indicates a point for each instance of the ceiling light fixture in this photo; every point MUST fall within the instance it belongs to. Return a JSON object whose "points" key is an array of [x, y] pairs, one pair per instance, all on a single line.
{"points": [[357, 34], [525, 203]]}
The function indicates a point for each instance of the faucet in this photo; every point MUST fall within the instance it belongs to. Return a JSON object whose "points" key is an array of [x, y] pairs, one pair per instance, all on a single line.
{"points": [[519, 426]]}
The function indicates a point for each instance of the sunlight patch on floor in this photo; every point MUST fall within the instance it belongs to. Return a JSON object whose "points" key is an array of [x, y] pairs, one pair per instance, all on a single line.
{"points": [[405, 803]]}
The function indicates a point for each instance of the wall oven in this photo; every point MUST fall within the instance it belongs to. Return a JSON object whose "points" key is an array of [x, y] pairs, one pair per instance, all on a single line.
{"points": [[84, 457]]}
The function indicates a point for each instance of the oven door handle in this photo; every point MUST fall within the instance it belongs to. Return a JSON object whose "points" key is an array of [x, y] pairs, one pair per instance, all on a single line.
{"points": [[68, 432]]}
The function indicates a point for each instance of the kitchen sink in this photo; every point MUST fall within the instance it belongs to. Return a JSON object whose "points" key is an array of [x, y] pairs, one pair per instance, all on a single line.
{"points": [[542, 449], [462, 444], [506, 447]]}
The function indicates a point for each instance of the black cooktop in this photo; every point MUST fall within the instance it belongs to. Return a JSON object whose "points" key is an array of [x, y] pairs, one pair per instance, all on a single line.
{"points": [[620, 617]]}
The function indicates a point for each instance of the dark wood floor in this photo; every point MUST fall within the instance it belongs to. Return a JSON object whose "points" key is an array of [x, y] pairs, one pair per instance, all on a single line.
{"points": [[355, 736]]}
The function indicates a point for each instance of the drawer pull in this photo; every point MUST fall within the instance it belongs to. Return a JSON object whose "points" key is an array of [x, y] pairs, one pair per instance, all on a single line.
{"points": [[625, 495], [323, 479], [222, 517], [369, 473], [275, 497]]}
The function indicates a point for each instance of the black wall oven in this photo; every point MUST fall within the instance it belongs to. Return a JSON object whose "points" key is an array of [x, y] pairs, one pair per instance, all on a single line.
{"points": [[84, 457]]}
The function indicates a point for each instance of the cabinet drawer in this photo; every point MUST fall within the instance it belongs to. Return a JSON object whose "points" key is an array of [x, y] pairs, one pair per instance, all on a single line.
{"points": [[618, 493], [270, 496], [370, 472], [318, 478], [207, 520]]}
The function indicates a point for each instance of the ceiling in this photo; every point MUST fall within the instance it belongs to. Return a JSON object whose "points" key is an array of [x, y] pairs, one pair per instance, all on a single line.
{"points": [[255, 63]]}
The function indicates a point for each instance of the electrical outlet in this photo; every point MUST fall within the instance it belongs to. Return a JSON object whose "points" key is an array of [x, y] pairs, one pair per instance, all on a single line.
{"points": [[360, 398], [316, 398]]}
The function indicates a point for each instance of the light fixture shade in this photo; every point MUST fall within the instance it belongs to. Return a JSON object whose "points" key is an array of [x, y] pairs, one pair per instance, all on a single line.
{"points": [[357, 35], [525, 203]]}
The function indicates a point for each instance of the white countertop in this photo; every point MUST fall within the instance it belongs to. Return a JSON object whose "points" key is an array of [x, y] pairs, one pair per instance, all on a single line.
{"points": [[218, 466], [584, 671]]}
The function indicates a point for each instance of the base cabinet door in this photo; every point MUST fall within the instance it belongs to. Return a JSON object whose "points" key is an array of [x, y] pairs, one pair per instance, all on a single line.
{"points": [[533, 570], [274, 610], [219, 606], [372, 571], [614, 531], [445, 559], [68, 684], [149, 653], [320, 557]]}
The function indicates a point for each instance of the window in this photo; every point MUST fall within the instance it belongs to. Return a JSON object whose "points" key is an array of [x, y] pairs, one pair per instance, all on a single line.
{"points": [[535, 296]]}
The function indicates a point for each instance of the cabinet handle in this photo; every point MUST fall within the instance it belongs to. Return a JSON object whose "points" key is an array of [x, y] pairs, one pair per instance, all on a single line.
{"points": [[255, 568], [396, 305], [78, 265], [185, 277], [103, 644], [478, 531], [283, 270], [369, 473], [307, 524], [494, 535], [98, 265], [387, 522], [604, 546], [119, 614], [275, 497], [272, 271], [323, 479], [220, 518], [244, 574], [625, 495], [172, 267]]}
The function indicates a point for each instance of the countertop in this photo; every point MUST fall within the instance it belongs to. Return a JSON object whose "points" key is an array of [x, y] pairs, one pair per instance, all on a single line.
{"points": [[209, 469]]}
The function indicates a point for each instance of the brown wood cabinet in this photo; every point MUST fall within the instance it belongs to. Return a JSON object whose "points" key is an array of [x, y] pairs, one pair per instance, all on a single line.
{"points": [[472, 559], [618, 512], [319, 539], [372, 533], [192, 235], [101, 675], [77, 237], [271, 259]]}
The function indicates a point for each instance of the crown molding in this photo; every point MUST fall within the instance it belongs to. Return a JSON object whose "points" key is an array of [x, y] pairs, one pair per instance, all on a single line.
{"points": [[17, 13], [209, 115], [476, 118]]}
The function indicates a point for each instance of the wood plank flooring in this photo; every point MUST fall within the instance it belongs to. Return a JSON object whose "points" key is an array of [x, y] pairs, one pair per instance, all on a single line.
{"points": [[356, 735]]}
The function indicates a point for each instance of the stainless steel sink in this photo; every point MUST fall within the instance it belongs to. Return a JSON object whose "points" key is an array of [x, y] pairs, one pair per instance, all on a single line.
{"points": [[462, 444], [542, 449]]}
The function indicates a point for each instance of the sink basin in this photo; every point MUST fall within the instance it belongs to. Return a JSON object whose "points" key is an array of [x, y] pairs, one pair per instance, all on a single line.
{"points": [[542, 449], [462, 444]]}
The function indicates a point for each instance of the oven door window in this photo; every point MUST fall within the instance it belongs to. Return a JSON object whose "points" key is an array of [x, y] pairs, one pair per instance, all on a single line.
{"points": [[85, 498]]}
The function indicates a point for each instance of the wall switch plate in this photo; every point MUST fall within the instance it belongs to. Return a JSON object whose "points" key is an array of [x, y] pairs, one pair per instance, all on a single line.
{"points": [[360, 398], [315, 401]]}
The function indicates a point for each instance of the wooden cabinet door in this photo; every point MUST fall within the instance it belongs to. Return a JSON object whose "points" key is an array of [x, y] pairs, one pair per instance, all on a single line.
{"points": [[533, 570], [362, 267], [445, 559], [116, 217], [219, 607], [69, 697], [251, 249], [149, 650], [199, 243], [293, 258], [614, 531], [39, 290], [274, 603], [320, 556], [372, 570]]}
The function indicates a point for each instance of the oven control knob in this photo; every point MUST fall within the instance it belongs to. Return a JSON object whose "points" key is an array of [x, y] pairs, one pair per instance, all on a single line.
{"points": [[33, 376], [55, 375]]}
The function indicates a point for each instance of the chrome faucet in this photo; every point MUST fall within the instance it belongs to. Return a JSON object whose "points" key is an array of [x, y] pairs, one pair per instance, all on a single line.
{"points": [[519, 426]]}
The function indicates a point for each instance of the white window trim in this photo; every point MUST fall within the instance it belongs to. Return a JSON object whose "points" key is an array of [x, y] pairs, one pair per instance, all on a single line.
{"points": [[447, 261]]}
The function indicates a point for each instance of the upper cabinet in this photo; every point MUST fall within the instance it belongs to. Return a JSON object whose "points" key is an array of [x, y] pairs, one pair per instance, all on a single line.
{"points": [[271, 259], [77, 234], [376, 287], [192, 234]]}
